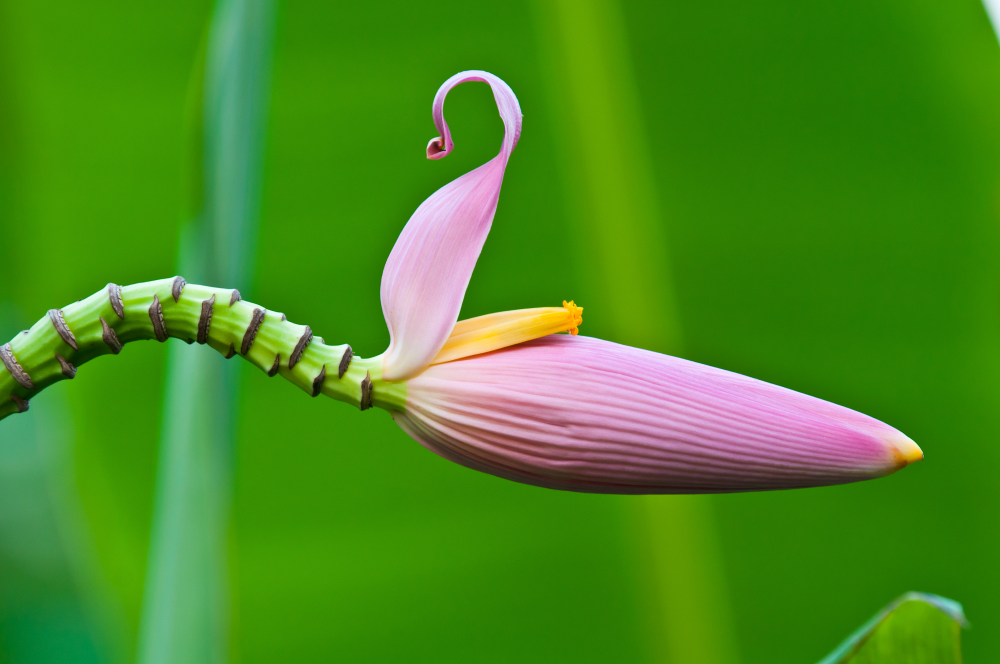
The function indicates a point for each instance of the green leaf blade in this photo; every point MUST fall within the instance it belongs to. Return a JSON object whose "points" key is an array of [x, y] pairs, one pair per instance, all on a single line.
{"points": [[917, 628]]}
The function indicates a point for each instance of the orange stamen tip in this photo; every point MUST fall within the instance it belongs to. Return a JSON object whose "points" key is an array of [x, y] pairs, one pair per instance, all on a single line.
{"points": [[577, 314]]}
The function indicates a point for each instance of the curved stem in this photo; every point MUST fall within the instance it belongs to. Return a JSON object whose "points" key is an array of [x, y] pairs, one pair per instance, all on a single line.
{"points": [[101, 324]]}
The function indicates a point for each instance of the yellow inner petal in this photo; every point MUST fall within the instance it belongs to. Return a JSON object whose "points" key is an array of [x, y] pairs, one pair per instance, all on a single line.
{"points": [[494, 331]]}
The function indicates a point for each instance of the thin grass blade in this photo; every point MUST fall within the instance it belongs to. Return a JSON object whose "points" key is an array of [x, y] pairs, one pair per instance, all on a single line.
{"points": [[186, 612]]}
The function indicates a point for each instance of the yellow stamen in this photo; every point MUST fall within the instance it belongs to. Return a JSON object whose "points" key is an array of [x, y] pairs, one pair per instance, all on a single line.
{"points": [[494, 331]]}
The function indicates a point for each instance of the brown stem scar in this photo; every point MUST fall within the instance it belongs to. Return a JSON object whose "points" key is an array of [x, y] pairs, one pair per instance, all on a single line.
{"points": [[115, 296], [59, 322], [300, 348], [366, 391], [22, 404], [205, 322], [235, 298], [156, 315], [15, 369], [252, 330], [345, 362], [273, 371], [177, 288], [67, 367], [318, 382], [231, 353], [110, 338]]}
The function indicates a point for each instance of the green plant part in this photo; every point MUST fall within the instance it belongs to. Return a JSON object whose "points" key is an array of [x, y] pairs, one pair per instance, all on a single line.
{"points": [[916, 628], [103, 323]]}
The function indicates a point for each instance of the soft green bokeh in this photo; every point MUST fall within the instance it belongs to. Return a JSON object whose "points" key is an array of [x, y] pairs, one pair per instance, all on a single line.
{"points": [[828, 178]]}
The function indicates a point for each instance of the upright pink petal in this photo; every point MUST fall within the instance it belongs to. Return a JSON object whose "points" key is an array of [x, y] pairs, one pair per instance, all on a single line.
{"points": [[582, 414], [425, 278]]}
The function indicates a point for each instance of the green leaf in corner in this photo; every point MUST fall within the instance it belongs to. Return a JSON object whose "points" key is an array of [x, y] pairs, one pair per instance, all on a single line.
{"points": [[917, 628]]}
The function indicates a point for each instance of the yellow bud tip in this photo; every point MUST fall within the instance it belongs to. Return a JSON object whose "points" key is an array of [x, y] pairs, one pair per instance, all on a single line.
{"points": [[577, 315], [906, 451]]}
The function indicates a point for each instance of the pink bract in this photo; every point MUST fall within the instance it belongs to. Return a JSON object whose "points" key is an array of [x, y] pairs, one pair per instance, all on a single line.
{"points": [[425, 278], [583, 414]]}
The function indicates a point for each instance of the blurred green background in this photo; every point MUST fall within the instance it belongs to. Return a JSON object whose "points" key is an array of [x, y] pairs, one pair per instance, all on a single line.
{"points": [[824, 177]]}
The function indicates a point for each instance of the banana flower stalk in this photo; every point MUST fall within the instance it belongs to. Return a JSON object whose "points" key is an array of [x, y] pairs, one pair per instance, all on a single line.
{"points": [[506, 393]]}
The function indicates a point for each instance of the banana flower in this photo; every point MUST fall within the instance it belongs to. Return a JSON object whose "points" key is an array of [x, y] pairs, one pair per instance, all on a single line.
{"points": [[503, 395], [506, 393]]}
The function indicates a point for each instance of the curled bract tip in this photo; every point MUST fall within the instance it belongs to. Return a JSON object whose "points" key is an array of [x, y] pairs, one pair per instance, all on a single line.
{"points": [[507, 105], [435, 148]]}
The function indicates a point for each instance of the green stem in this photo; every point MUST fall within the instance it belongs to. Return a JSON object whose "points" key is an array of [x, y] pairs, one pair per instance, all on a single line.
{"points": [[99, 325]]}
